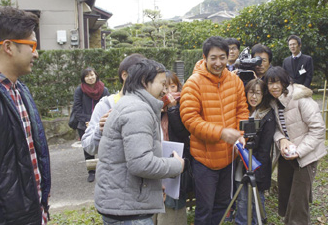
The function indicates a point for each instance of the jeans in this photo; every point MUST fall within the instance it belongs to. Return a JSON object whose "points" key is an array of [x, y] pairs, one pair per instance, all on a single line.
{"points": [[241, 215], [147, 221], [212, 190]]}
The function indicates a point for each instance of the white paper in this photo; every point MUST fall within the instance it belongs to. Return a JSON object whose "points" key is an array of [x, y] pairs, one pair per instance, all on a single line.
{"points": [[172, 185]]}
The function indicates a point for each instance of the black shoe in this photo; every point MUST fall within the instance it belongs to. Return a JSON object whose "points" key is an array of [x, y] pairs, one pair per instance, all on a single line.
{"points": [[91, 177]]}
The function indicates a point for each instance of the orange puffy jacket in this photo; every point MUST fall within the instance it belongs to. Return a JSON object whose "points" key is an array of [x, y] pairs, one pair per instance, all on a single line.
{"points": [[209, 104]]}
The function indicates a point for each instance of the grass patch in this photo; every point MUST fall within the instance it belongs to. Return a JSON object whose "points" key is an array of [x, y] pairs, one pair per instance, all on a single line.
{"points": [[85, 216]]}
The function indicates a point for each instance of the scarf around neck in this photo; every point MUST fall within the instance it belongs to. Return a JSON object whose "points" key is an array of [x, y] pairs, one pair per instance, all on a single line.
{"points": [[96, 92]]}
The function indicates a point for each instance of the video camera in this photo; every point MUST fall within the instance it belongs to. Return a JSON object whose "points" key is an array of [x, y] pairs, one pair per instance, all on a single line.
{"points": [[246, 65]]}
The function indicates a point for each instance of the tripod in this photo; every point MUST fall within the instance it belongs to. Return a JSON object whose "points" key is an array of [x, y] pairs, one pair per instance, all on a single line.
{"points": [[249, 180]]}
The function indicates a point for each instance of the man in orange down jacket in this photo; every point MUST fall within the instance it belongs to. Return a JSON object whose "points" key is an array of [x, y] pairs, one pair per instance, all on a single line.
{"points": [[212, 104]]}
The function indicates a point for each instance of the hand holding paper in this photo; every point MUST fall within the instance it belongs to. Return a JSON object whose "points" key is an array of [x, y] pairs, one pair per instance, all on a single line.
{"points": [[172, 186]]}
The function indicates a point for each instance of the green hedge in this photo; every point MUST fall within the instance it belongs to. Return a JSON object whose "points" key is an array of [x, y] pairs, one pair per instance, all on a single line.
{"points": [[56, 73], [190, 57]]}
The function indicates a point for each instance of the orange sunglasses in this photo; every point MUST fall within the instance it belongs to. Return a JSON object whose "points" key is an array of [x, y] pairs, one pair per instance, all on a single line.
{"points": [[25, 42]]}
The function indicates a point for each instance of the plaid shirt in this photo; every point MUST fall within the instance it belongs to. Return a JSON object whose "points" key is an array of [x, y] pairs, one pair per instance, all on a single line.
{"points": [[16, 97]]}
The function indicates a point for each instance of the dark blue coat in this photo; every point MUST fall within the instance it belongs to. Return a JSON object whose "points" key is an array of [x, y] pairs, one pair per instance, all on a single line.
{"points": [[262, 150], [84, 105], [19, 200]]}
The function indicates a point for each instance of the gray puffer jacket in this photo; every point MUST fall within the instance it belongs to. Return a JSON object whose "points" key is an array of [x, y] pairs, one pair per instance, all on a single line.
{"points": [[304, 123], [130, 166]]}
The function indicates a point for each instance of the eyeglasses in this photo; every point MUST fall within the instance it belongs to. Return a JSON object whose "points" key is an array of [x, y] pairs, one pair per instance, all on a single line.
{"points": [[33, 44], [254, 93]]}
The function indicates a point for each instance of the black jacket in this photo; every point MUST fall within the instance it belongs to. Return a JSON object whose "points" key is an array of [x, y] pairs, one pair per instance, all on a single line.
{"points": [[178, 133], [19, 200], [262, 150], [304, 62], [84, 105]]}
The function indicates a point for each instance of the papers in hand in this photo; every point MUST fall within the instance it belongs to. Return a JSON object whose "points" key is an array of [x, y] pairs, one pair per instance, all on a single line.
{"points": [[172, 185]]}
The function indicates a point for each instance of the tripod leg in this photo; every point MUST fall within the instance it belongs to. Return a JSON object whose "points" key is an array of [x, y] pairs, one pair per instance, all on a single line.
{"points": [[257, 206], [232, 201], [264, 220], [249, 205]]}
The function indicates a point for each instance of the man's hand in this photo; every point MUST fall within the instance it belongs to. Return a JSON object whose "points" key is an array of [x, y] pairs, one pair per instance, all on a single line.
{"points": [[235, 71], [242, 141], [175, 155], [102, 120], [231, 135]]}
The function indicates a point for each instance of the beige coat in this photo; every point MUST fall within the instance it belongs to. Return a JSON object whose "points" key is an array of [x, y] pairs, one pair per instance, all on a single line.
{"points": [[304, 123]]}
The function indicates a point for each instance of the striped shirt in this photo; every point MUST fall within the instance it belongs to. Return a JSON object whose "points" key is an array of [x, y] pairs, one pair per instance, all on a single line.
{"points": [[281, 109], [16, 97]]}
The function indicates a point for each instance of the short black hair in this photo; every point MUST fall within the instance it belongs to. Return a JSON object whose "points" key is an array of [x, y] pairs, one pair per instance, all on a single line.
{"points": [[16, 23], [297, 38], [215, 41], [259, 48], [277, 73], [127, 62], [141, 73], [86, 71], [233, 41]]}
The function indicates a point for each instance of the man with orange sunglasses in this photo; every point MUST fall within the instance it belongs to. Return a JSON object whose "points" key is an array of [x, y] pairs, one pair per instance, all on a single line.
{"points": [[24, 153]]}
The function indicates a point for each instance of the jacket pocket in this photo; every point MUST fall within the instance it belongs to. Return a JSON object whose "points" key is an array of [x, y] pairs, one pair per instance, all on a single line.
{"points": [[144, 190]]}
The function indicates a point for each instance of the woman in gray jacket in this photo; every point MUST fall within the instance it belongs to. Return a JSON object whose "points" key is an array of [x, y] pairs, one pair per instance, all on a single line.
{"points": [[90, 139], [131, 166], [300, 135]]}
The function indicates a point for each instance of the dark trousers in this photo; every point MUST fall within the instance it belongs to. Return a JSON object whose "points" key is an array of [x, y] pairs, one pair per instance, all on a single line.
{"points": [[86, 155], [212, 192], [295, 191]]}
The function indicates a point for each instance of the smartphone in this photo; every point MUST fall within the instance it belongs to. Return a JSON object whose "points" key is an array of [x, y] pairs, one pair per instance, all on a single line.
{"points": [[250, 126]]}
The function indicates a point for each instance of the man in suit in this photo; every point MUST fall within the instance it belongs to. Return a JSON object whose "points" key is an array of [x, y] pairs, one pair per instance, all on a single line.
{"points": [[298, 65]]}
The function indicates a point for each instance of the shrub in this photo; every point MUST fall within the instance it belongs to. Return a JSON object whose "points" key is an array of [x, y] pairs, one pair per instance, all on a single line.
{"points": [[56, 73]]}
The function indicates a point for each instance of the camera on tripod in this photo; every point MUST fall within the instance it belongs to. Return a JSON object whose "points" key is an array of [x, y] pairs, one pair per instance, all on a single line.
{"points": [[250, 127], [246, 65]]}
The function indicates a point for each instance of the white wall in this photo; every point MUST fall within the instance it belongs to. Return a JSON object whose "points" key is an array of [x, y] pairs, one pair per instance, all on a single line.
{"points": [[55, 15]]}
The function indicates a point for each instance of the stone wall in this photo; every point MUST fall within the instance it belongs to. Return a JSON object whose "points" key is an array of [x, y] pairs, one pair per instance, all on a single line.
{"points": [[58, 132]]}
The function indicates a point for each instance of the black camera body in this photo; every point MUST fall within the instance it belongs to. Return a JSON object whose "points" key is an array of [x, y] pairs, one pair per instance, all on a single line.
{"points": [[246, 65], [250, 127]]}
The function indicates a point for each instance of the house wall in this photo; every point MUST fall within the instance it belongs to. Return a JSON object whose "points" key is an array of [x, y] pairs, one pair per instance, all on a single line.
{"points": [[55, 15]]}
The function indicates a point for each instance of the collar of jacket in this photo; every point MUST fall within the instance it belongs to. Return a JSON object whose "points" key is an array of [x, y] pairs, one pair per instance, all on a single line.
{"points": [[201, 69], [260, 113], [295, 92], [154, 103]]}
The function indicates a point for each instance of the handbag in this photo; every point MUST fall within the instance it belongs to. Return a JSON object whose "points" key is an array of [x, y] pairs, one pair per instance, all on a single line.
{"points": [[73, 122]]}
